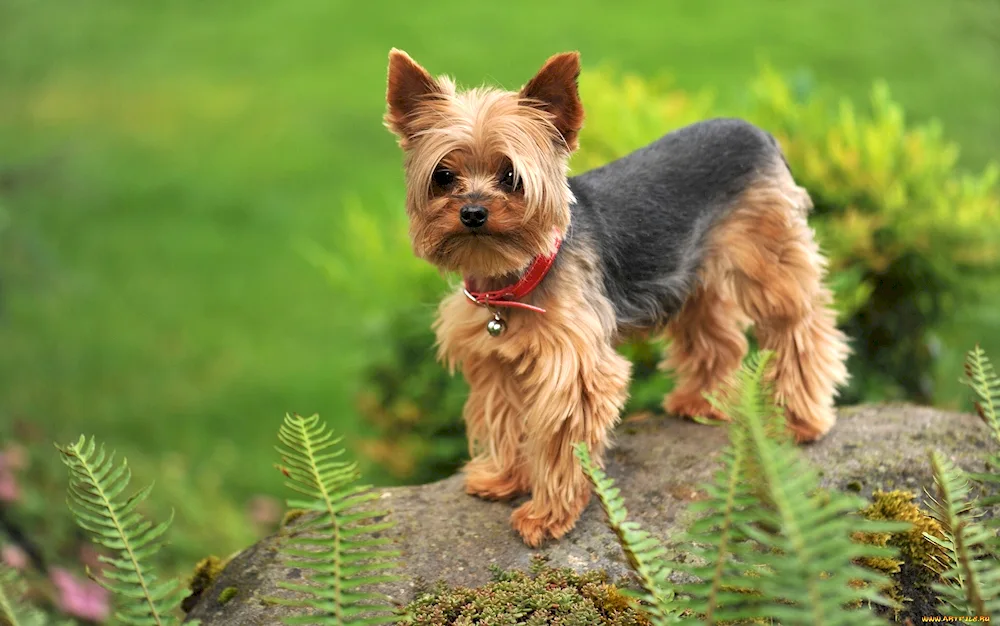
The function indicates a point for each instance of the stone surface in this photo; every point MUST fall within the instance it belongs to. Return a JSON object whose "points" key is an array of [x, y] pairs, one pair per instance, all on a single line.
{"points": [[658, 463]]}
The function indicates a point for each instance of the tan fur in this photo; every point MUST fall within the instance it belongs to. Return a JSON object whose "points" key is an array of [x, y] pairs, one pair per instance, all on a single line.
{"points": [[553, 380], [763, 263], [707, 345]]}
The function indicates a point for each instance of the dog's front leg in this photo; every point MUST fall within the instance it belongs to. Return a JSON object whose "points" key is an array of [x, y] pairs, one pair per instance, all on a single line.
{"points": [[574, 392], [493, 412], [494, 420]]}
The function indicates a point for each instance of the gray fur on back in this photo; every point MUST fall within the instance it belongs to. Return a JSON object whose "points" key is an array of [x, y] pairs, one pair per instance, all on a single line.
{"points": [[647, 214]]}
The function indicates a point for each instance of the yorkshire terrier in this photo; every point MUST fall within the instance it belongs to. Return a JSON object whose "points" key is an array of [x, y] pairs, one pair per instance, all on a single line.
{"points": [[697, 235]]}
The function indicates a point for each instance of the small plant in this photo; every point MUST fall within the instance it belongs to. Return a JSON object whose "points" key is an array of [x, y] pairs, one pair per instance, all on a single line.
{"points": [[113, 521], [970, 566], [339, 542], [644, 552], [982, 378], [970, 563]]}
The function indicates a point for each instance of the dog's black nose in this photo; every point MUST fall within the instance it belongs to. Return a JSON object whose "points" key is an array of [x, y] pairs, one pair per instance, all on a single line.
{"points": [[473, 215]]}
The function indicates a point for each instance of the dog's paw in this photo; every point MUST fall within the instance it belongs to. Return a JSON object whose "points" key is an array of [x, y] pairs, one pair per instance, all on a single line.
{"points": [[807, 431], [692, 406], [484, 479], [535, 526]]}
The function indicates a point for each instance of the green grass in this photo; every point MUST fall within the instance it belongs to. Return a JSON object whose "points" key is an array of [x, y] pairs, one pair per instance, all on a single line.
{"points": [[161, 164]]}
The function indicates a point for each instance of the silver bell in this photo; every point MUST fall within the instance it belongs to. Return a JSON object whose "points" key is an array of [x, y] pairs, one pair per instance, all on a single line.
{"points": [[496, 326]]}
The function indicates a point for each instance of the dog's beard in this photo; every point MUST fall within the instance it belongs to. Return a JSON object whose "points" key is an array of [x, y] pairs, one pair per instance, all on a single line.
{"points": [[490, 258]]}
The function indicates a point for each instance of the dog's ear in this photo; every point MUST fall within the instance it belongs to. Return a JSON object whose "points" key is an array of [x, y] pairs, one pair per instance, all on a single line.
{"points": [[554, 89], [408, 85]]}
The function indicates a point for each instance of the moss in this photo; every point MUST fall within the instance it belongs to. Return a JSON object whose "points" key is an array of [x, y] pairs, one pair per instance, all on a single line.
{"points": [[291, 515], [913, 573], [227, 594], [901, 506], [205, 573], [543, 596]]}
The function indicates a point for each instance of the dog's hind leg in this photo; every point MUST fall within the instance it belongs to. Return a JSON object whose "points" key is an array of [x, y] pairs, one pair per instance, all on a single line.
{"points": [[707, 344], [776, 270]]}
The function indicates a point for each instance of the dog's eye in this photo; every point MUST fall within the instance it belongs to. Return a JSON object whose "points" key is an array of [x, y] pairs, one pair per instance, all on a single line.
{"points": [[443, 177], [509, 181]]}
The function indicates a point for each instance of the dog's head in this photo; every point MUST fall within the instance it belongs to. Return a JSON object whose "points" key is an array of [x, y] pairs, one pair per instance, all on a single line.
{"points": [[485, 168]]}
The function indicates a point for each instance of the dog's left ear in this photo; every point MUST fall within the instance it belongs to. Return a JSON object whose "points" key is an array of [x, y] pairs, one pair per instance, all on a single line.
{"points": [[554, 89]]}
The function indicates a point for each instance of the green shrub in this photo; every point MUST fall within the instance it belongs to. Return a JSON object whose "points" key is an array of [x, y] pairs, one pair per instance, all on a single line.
{"points": [[903, 228], [414, 406]]}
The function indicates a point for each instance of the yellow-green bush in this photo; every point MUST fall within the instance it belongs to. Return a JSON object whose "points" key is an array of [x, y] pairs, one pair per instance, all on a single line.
{"points": [[903, 228]]}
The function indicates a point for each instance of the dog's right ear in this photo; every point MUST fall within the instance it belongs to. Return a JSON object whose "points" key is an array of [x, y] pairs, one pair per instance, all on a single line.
{"points": [[409, 84]]}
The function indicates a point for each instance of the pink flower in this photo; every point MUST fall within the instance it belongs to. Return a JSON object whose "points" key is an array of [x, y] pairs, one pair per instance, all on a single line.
{"points": [[9, 489], [14, 457], [13, 557], [83, 599], [264, 511]]}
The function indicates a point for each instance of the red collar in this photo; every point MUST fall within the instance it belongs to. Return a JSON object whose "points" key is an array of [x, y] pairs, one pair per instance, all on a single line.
{"points": [[509, 296]]}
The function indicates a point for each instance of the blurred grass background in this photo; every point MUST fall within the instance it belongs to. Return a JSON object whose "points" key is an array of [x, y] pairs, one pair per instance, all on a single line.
{"points": [[163, 166]]}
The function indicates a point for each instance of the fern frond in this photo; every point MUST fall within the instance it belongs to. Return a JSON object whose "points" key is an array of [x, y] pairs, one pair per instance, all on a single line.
{"points": [[95, 499], [981, 376], [715, 535], [340, 543], [645, 553], [971, 567], [774, 546]]}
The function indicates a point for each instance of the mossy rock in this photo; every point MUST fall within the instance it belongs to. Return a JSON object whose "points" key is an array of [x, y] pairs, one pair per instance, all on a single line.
{"points": [[658, 463]]}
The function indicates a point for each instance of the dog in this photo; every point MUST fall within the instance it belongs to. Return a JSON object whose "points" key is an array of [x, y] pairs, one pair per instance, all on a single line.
{"points": [[697, 236]]}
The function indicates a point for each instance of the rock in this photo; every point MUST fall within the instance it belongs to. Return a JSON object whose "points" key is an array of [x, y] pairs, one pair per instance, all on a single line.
{"points": [[659, 464]]}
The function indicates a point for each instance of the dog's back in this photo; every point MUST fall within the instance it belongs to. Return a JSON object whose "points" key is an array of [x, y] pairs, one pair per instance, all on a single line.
{"points": [[648, 212]]}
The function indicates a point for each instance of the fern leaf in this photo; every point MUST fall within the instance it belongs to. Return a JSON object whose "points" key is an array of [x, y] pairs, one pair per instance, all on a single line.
{"points": [[645, 553], [982, 378], [339, 545], [971, 568], [773, 545], [715, 537], [95, 499]]}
